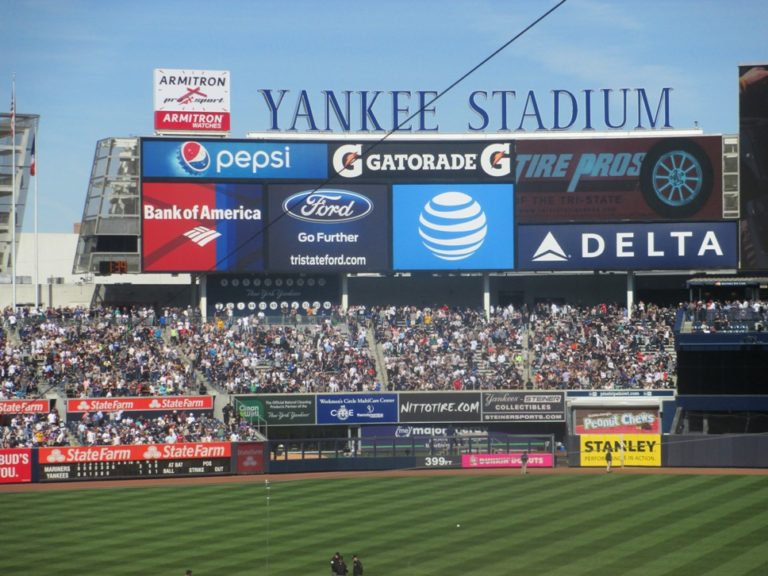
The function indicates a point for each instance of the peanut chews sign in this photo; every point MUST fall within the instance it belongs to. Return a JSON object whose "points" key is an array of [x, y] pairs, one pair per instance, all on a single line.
{"points": [[627, 449]]}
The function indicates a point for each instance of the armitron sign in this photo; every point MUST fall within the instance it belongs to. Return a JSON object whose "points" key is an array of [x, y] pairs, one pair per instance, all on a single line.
{"points": [[191, 101]]}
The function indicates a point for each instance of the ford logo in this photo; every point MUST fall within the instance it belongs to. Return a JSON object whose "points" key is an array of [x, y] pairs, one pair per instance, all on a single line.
{"points": [[327, 206]]}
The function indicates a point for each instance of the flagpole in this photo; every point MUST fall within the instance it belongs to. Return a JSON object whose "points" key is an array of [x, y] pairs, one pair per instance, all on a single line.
{"points": [[13, 192], [37, 260]]}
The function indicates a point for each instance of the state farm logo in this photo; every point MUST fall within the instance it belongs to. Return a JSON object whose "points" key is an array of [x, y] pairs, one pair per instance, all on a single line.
{"points": [[194, 158], [84, 405], [56, 456], [155, 404], [495, 160], [452, 226], [327, 206], [152, 453]]}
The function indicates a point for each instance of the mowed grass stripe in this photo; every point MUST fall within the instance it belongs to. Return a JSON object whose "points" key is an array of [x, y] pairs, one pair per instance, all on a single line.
{"points": [[396, 524], [635, 533]]}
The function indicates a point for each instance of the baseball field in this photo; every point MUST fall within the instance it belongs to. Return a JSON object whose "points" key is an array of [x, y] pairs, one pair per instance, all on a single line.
{"points": [[438, 525]]}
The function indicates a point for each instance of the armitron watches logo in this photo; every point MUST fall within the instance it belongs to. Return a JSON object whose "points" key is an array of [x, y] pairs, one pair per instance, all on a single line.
{"points": [[194, 157], [452, 226], [201, 235], [327, 206]]}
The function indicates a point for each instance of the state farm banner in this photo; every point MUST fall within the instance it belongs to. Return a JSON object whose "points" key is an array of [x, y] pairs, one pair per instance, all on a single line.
{"points": [[624, 246], [25, 406], [129, 453], [638, 178], [140, 404], [515, 406], [15, 465], [626, 449], [616, 421], [192, 101], [535, 460], [439, 407]]}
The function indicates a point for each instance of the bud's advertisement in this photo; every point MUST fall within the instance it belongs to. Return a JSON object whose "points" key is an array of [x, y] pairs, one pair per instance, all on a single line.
{"points": [[583, 180], [523, 407], [620, 246], [192, 100], [140, 404], [273, 294], [616, 421], [25, 406], [15, 465], [191, 227], [439, 406], [344, 228], [356, 408], [232, 159], [424, 161], [535, 460]]}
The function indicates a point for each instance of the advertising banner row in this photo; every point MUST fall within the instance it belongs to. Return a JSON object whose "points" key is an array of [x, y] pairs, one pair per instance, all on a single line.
{"points": [[297, 207], [72, 463], [404, 407]]}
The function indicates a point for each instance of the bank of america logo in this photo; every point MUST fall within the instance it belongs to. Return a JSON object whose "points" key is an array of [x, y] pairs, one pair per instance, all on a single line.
{"points": [[549, 250], [201, 235]]}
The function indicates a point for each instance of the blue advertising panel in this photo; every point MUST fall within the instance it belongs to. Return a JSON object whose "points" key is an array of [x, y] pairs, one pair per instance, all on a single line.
{"points": [[453, 227], [339, 228], [273, 294], [619, 246], [232, 159], [356, 408]]}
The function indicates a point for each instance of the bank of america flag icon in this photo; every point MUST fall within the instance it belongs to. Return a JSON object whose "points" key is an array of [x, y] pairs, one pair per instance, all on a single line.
{"points": [[549, 250], [201, 235]]}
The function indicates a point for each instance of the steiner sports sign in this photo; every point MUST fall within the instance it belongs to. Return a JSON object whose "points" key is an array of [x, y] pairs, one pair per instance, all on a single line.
{"points": [[515, 406], [192, 101]]}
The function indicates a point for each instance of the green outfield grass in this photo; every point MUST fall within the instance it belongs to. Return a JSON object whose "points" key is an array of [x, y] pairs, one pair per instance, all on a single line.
{"points": [[596, 524]]}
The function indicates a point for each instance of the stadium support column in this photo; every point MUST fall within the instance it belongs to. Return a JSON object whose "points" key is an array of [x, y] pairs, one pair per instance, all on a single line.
{"points": [[204, 297], [630, 293], [344, 291], [487, 294]]}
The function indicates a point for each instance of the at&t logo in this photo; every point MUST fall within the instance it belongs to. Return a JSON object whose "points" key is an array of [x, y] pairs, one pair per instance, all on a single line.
{"points": [[452, 226]]}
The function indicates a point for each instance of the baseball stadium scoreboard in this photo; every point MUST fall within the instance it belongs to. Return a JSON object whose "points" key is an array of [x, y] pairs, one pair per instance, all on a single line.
{"points": [[125, 462]]}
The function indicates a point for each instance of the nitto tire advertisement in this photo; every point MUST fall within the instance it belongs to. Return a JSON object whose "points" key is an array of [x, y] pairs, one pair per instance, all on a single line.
{"points": [[613, 179]]}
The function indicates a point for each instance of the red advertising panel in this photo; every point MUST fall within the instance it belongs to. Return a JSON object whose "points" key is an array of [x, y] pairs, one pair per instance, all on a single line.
{"points": [[140, 404], [250, 458], [127, 453], [610, 179], [188, 227], [25, 407], [15, 465], [616, 421], [535, 460]]}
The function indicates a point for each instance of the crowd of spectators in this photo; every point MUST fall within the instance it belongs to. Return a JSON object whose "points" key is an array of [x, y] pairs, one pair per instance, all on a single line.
{"points": [[710, 316], [119, 428], [33, 431]]}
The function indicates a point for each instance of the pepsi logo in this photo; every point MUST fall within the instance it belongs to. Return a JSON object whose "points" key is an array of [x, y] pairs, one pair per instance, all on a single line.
{"points": [[327, 206], [194, 158], [452, 226]]}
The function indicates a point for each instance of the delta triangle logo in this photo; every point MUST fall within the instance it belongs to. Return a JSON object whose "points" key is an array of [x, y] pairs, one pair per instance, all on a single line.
{"points": [[549, 250]]}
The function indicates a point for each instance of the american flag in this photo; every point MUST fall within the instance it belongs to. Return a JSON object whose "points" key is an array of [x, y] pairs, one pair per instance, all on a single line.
{"points": [[32, 160]]}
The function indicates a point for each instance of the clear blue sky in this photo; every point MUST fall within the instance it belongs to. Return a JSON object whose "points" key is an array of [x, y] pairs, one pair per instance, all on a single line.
{"points": [[86, 66]]}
